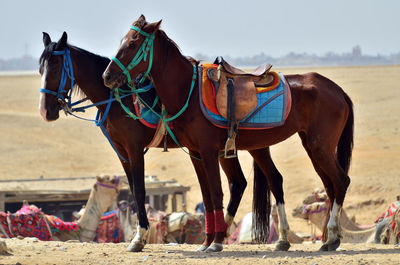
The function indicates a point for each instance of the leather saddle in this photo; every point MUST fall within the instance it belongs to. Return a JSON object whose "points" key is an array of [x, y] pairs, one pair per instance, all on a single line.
{"points": [[236, 94], [244, 85]]}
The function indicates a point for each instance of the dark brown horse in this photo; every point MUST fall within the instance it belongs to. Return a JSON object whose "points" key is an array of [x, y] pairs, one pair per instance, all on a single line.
{"points": [[129, 136], [321, 113]]}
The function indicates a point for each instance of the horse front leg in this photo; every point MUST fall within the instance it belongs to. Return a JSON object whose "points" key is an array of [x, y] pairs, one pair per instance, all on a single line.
{"points": [[210, 163], [137, 187], [209, 214]]}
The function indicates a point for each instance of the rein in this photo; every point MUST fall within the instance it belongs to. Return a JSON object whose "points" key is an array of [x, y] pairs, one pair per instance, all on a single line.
{"points": [[68, 106], [146, 51]]}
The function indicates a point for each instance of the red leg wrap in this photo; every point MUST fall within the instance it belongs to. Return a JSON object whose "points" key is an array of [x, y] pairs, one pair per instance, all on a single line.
{"points": [[220, 225], [210, 224]]}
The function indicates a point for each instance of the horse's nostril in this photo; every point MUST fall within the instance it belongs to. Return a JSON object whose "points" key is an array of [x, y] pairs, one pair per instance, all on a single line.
{"points": [[107, 76]]}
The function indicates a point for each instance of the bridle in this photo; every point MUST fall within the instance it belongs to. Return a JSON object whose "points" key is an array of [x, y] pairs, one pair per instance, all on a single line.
{"points": [[67, 72], [307, 212], [145, 52], [68, 106]]}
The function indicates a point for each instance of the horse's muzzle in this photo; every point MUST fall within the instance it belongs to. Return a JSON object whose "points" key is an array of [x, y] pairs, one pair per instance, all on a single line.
{"points": [[113, 80]]}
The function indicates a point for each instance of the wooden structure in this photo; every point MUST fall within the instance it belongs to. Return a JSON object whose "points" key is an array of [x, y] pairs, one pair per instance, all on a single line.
{"points": [[68, 194]]}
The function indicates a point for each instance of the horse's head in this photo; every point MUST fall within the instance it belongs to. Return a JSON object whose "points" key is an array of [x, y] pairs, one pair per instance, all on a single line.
{"points": [[134, 55], [55, 81]]}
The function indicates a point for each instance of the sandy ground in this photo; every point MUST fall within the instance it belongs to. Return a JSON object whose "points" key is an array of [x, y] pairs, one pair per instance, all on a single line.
{"points": [[31, 148], [33, 252]]}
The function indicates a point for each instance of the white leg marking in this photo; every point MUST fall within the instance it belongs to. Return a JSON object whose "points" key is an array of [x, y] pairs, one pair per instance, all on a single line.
{"points": [[140, 234], [283, 223], [42, 98], [333, 223]]}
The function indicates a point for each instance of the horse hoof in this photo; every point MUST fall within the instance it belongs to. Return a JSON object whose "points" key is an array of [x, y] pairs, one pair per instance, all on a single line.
{"points": [[135, 247], [202, 248], [282, 246], [324, 247], [332, 246], [215, 247]]}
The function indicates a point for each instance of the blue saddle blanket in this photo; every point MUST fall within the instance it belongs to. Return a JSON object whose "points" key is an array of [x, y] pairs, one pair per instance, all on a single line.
{"points": [[272, 107]]}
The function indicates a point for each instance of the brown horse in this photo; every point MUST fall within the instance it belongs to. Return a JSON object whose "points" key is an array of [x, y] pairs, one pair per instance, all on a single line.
{"points": [[129, 136], [321, 113]]}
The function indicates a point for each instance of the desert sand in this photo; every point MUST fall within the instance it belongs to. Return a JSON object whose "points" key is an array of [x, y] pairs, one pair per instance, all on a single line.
{"points": [[31, 147]]}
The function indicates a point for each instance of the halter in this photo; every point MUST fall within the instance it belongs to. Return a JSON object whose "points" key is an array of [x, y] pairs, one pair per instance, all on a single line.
{"points": [[315, 211], [67, 72], [115, 186], [68, 106], [146, 49]]}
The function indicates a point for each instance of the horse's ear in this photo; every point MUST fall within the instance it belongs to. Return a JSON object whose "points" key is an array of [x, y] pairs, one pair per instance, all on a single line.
{"points": [[46, 39], [62, 43], [141, 21], [153, 27]]}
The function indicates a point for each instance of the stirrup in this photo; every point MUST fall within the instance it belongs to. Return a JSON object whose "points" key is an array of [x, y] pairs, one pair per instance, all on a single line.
{"points": [[230, 146]]}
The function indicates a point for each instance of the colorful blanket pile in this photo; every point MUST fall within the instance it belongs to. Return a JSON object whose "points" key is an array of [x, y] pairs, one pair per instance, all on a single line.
{"points": [[109, 229], [25, 225]]}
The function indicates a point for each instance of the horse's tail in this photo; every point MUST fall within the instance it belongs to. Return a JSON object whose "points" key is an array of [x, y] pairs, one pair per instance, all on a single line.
{"points": [[261, 206], [345, 146]]}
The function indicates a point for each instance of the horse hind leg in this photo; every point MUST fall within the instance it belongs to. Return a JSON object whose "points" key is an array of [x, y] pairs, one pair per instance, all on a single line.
{"points": [[274, 182], [237, 185], [324, 159], [328, 185]]}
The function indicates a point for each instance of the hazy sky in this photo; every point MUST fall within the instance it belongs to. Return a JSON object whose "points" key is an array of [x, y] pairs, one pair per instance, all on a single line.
{"points": [[209, 27]]}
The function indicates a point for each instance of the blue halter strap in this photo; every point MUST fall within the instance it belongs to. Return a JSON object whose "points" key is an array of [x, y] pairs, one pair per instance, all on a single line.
{"points": [[68, 105]]}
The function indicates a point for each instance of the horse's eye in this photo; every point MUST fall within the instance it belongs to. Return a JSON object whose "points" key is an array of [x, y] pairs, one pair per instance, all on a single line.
{"points": [[132, 44]]}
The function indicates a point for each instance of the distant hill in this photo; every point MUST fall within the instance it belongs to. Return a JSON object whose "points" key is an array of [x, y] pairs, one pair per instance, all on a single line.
{"points": [[23, 63], [355, 57]]}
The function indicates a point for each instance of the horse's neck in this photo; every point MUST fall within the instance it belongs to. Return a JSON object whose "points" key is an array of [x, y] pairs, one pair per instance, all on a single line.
{"points": [[88, 76], [172, 80], [99, 200], [364, 236]]}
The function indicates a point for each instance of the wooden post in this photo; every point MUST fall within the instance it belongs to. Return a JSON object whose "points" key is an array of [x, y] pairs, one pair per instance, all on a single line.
{"points": [[151, 201], [184, 201], [173, 201], [2, 202]]}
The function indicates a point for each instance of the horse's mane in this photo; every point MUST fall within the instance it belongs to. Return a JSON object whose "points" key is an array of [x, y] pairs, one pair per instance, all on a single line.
{"points": [[167, 42]]}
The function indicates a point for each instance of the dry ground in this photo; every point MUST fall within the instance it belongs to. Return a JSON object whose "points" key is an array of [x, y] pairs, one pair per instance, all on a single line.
{"points": [[28, 252], [31, 148]]}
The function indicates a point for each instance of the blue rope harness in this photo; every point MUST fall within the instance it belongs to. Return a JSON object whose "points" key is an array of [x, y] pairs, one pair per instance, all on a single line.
{"points": [[68, 106]]}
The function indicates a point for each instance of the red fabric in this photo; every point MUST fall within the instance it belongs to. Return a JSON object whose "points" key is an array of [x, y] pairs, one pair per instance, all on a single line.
{"points": [[210, 225], [220, 225], [389, 211], [26, 225], [57, 224]]}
